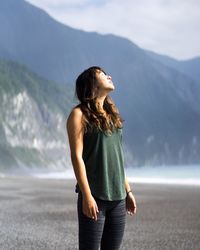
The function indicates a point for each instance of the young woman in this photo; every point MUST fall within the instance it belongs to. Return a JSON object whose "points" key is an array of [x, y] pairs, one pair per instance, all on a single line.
{"points": [[94, 130]]}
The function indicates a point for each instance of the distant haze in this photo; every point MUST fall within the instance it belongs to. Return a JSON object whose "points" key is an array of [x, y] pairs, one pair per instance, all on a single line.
{"points": [[166, 27]]}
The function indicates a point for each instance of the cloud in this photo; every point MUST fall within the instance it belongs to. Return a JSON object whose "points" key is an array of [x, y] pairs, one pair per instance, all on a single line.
{"points": [[164, 26]]}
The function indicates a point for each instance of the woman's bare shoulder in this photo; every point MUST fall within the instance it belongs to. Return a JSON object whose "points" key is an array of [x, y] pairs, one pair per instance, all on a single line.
{"points": [[76, 112], [75, 116]]}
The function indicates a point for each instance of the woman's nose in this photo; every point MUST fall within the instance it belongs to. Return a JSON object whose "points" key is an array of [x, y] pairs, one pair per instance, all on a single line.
{"points": [[109, 77]]}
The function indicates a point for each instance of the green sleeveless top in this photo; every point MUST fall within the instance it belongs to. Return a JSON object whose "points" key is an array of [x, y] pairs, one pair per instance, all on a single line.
{"points": [[104, 162]]}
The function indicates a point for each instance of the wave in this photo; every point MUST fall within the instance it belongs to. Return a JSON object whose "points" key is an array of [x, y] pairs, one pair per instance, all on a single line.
{"points": [[179, 175]]}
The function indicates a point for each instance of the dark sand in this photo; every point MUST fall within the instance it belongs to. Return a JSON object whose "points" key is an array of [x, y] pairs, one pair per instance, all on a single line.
{"points": [[41, 214]]}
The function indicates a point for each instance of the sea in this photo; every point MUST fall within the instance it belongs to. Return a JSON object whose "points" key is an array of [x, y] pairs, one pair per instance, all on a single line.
{"points": [[179, 175]]}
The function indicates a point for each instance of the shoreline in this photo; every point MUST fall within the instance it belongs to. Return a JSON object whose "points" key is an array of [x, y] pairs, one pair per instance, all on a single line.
{"points": [[136, 180]]}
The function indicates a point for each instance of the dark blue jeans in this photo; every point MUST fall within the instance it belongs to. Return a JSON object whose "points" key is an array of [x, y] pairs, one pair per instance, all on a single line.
{"points": [[107, 231]]}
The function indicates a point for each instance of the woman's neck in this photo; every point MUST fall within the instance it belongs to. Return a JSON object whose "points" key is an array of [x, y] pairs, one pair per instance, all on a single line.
{"points": [[100, 102]]}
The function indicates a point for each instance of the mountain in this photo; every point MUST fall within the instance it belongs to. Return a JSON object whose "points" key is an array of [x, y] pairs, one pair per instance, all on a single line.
{"points": [[164, 110], [160, 105], [56, 51], [189, 67], [32, 119]]}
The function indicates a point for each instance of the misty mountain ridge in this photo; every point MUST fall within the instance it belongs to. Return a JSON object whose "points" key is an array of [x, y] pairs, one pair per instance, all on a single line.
{"points": [[190, 67]]}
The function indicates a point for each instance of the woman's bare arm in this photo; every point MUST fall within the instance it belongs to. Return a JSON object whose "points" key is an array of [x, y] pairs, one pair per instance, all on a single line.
{"points": [[127, 185], [75, 135], [130, 199]]}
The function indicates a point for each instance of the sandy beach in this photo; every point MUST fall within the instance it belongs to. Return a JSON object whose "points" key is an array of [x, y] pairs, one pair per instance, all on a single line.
{"points": [[41, 214]]}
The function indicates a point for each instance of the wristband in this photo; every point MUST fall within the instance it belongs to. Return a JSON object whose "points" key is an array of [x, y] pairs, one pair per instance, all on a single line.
{"points": [[130, 191]]}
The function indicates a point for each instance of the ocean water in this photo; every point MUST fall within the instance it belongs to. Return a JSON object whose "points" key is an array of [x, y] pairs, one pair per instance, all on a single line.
{"points": [[180, 175]]}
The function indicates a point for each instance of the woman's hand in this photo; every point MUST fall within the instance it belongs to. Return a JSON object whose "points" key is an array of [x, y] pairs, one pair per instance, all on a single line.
{"points": [[130, 204], [90, 208]]}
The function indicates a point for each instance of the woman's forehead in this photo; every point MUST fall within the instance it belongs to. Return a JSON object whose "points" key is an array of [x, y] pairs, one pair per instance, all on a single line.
{"points": [[100, 70]]}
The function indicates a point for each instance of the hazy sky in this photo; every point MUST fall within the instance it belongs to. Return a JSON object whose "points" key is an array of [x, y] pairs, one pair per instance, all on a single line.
{"points": [[169, 27]]}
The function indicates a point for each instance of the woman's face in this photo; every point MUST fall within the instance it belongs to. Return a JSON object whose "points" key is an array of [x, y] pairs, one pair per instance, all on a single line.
{"points": [[105, 83]]}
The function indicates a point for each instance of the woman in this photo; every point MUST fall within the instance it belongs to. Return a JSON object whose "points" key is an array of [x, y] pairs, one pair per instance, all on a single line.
{"points": [[94, 129]]}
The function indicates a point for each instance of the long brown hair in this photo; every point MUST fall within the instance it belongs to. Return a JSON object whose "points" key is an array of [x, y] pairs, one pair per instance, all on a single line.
{"points": [[86, 92]]}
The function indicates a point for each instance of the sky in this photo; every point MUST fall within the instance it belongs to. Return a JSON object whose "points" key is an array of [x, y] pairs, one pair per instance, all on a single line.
{"points": [[168, 27]]}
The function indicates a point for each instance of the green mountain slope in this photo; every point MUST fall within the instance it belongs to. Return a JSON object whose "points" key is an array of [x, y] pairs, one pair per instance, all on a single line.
{"points": [[32, 119]]}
